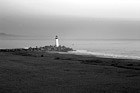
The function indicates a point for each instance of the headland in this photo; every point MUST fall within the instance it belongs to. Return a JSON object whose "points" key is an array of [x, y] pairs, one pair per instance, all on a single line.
{"points": [[44, 70]]}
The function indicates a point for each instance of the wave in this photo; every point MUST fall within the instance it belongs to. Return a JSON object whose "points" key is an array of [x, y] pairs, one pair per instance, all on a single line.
{"points": [[104, 55]]}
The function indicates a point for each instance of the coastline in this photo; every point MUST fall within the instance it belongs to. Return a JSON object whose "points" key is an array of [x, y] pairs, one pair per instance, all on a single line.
{"points": [[97, 54], [127, 63]]}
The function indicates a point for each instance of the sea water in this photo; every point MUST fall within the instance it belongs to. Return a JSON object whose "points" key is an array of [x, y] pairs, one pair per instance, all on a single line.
{"points": [[109, 48]]}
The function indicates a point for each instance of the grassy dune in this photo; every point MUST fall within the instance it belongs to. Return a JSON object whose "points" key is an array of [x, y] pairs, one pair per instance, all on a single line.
{"points": [[40, 72]]}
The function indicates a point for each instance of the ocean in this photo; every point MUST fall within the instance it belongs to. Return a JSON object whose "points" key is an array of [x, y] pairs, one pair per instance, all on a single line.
{"points": [[108, 48]]}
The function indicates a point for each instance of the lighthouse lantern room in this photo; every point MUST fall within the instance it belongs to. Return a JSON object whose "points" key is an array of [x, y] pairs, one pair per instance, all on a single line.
{"points": [[56, 41]]}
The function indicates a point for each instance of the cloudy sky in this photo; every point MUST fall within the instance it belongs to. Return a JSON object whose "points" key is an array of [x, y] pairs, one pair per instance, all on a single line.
{"points": [[78, 19]]}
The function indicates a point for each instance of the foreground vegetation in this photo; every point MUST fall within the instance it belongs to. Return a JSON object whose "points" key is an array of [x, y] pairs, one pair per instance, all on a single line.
{"points": [[43, 72]]}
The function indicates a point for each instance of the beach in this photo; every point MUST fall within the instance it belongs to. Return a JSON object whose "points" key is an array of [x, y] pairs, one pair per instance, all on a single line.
{"points": [[44, 72]]}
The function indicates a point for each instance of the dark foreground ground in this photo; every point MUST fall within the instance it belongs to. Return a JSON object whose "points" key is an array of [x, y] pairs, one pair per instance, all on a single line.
{"points": [[24, 72]]}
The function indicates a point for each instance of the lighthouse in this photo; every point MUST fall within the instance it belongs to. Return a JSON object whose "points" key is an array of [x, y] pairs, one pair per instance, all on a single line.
{"points": [[56, 41]]}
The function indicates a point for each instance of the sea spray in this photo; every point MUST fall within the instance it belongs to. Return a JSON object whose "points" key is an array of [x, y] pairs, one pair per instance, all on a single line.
{"points": [[105, 55]]}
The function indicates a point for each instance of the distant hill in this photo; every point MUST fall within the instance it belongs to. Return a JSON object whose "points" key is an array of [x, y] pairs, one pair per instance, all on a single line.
{"points": [[4, 34], [9, 36]]}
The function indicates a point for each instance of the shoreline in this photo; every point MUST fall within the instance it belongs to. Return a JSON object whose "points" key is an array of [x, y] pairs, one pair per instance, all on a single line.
{"points": [[126, 63], [82, 52], [102, 55], [132, 64], [86, 52]]}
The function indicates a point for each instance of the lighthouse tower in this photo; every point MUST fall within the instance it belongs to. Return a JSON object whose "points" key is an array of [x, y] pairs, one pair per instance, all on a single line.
{"points": [[56, 41]]}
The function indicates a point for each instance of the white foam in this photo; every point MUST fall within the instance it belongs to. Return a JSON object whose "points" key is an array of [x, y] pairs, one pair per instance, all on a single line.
{"points": [[105, 55]]}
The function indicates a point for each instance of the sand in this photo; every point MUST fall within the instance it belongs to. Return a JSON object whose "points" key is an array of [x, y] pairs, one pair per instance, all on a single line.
{"points": [[41, 72]]}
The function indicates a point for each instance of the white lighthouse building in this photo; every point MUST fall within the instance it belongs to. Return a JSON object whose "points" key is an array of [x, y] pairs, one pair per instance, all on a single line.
{"points": [[56, 41]]}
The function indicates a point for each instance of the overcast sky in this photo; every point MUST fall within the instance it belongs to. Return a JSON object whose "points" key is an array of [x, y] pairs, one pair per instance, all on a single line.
{"points": [[78, 19]]}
